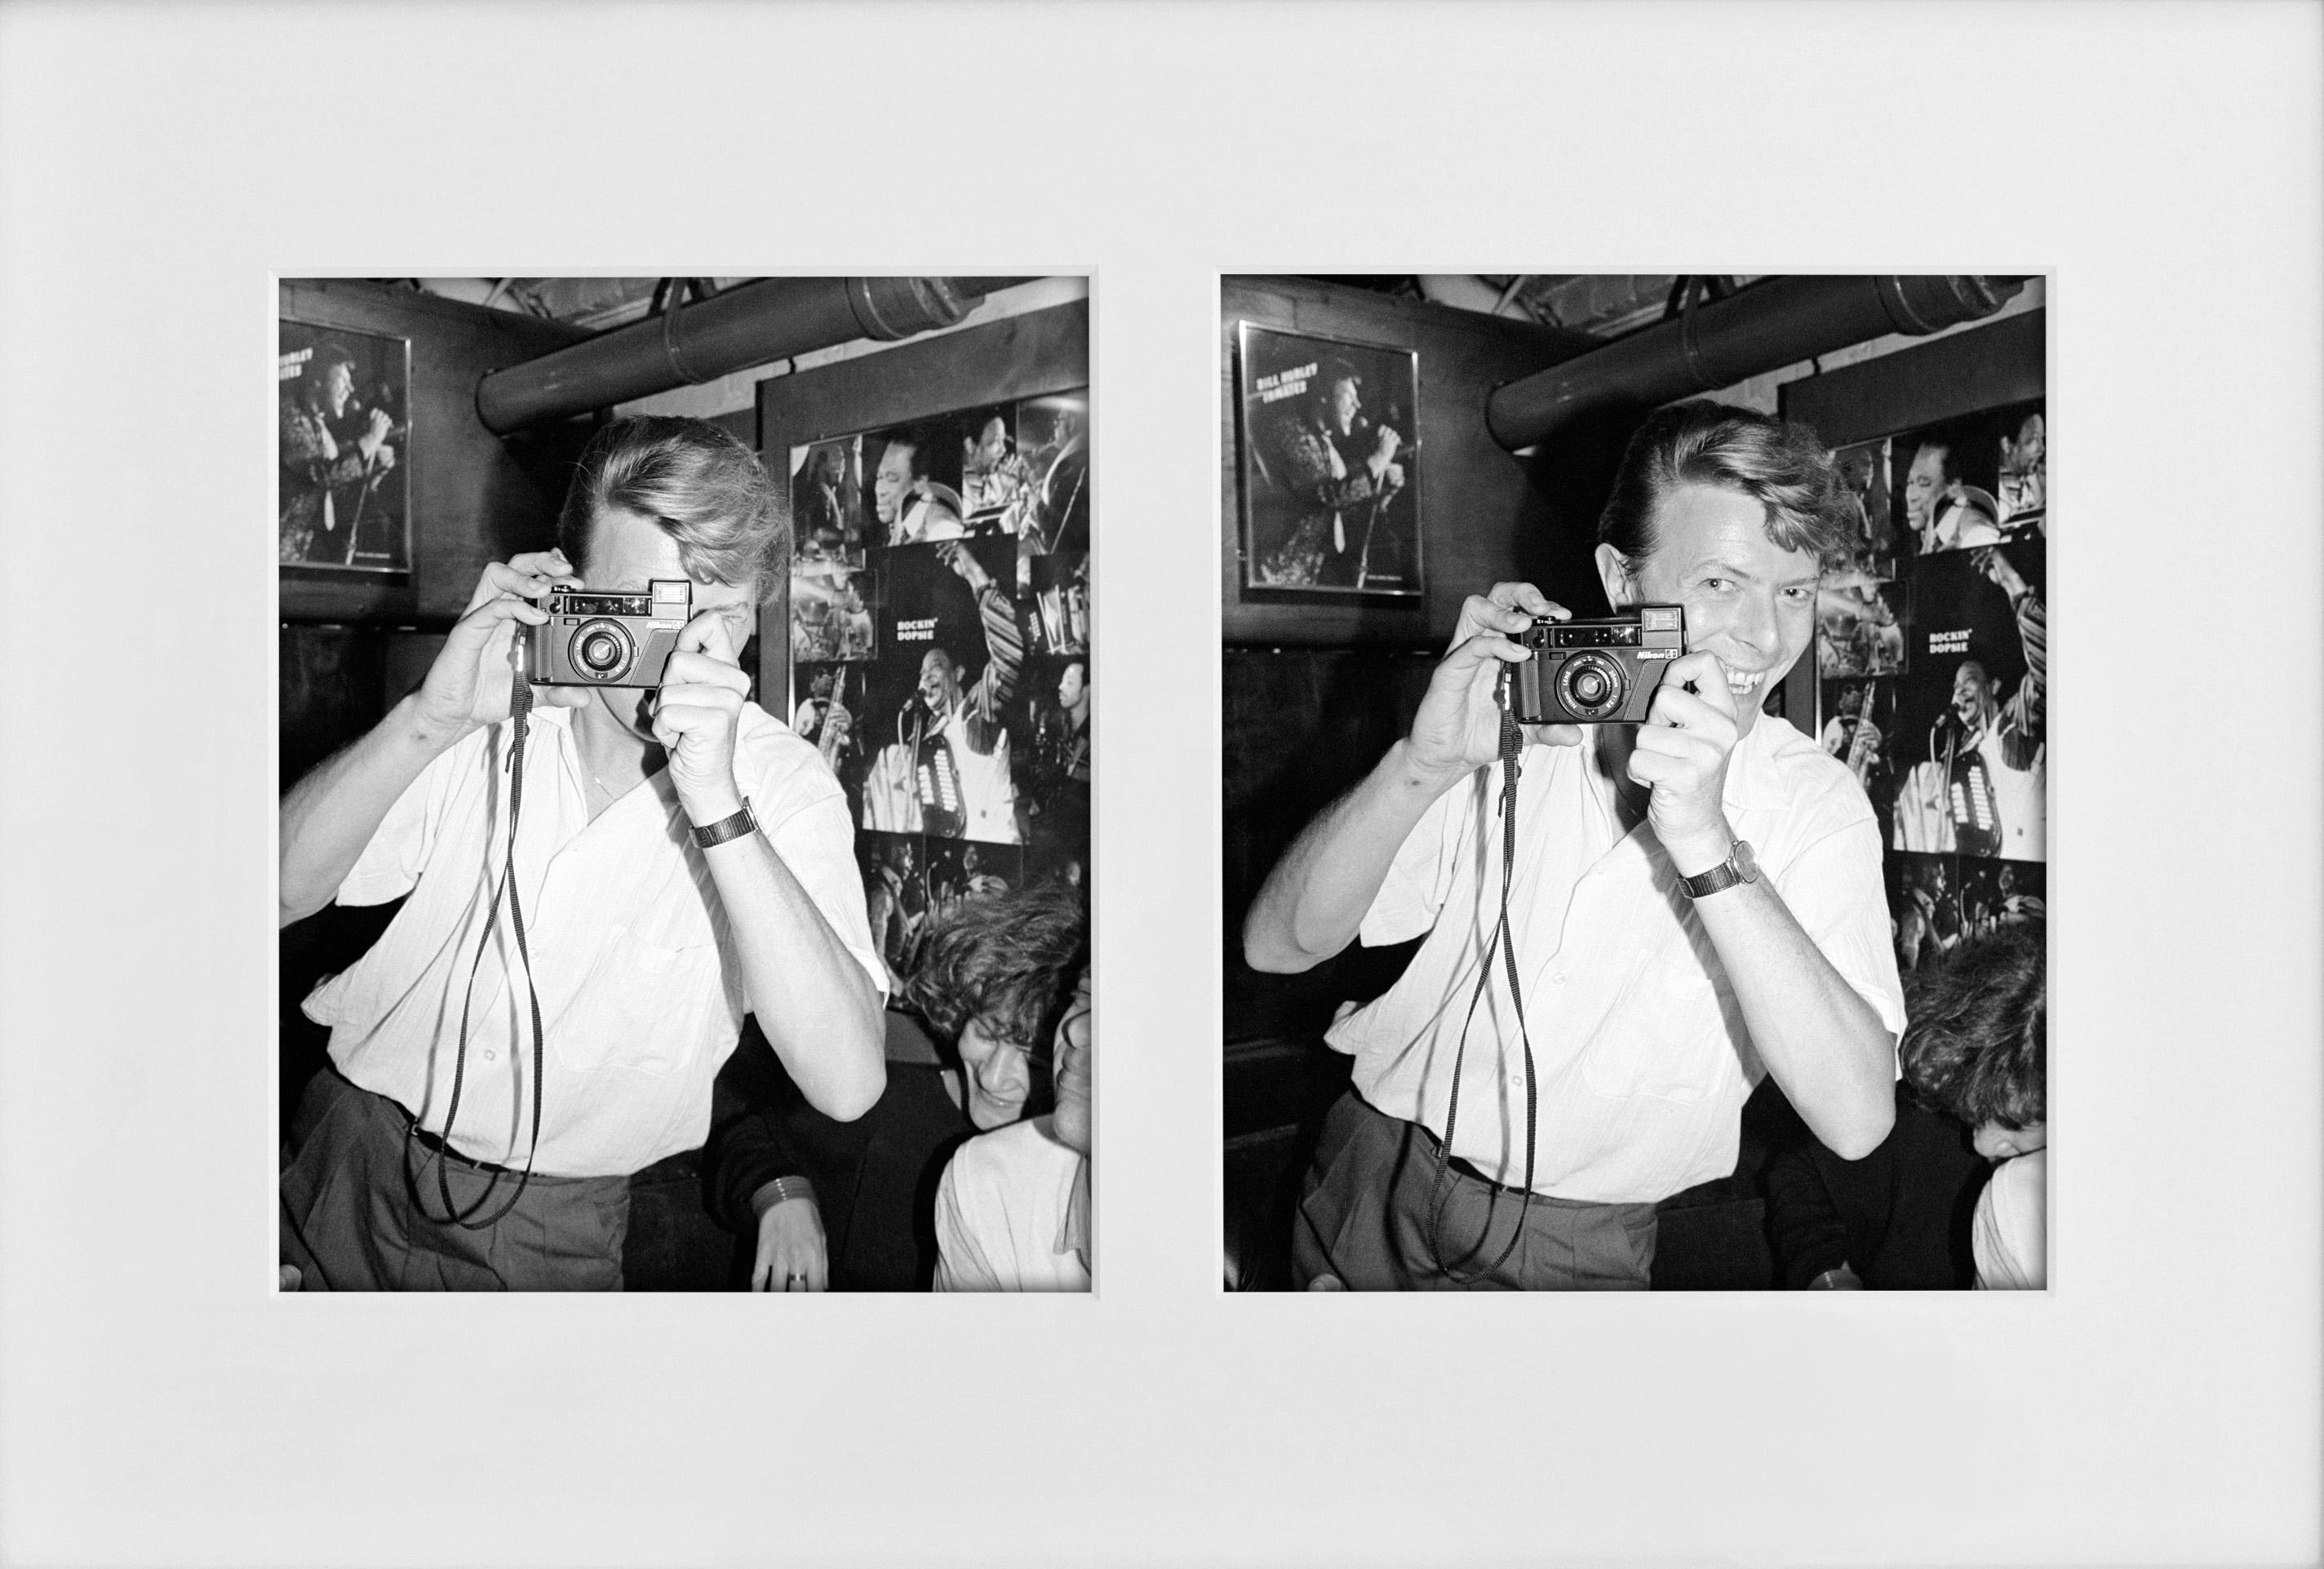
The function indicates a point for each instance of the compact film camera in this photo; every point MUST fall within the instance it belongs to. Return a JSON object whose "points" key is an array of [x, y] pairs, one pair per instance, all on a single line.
{"points": [[607, 640], [1595, 670]]}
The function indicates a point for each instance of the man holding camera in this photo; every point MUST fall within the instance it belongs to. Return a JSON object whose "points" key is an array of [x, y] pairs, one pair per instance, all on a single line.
{"points": [[1695, 901], [536, 1026]]}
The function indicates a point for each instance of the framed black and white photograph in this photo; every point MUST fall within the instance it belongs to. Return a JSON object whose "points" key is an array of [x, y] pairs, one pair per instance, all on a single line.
{"points": [[1969, 742], [2023, 491], [827, 510], [1327, 449], [834, 609], [343, 449]]}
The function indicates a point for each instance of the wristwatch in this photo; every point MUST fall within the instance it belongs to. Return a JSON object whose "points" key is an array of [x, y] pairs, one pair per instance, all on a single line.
{"points": [[725, 828], [1740, 867]]}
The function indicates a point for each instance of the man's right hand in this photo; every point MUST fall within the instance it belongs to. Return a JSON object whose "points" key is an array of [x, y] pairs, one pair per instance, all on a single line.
{"points": [[1383, 454], [1458, 728], [468, 685]]}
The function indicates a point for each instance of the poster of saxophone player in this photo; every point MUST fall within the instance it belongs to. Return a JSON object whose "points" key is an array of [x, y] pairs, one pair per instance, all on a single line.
{"points": [[1969, 738], [343, 440], [1328, 451], [829, 715], [1858, 716]]}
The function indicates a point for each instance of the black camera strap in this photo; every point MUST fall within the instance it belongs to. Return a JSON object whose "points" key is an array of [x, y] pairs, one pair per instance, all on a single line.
{"points": [[520, 708], [1512, 742]]}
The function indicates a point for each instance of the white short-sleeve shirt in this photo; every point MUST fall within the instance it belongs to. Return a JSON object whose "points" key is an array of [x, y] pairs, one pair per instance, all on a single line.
{"points": [[1007, 1218], [1640, 1052], [640, 991]]}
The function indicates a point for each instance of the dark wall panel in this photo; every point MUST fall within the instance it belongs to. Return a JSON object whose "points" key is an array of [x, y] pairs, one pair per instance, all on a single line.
{"points": [[1479, 511], [1299, 726], [475, 497]]}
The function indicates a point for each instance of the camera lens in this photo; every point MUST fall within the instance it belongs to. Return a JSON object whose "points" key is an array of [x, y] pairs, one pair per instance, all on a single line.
{"points": [[1590, 687], [601, 650]]}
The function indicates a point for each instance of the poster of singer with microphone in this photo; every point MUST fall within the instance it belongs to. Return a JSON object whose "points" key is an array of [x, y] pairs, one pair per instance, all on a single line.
{"points": [[1330, 477], [343, 399]]}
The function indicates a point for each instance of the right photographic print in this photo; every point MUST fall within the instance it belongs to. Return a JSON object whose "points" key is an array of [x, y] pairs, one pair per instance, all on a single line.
{"points": [[1636, 825]]}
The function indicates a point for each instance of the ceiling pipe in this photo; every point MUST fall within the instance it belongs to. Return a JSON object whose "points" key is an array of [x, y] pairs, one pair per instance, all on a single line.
{"points": [[752, 324], [1717, 343]]}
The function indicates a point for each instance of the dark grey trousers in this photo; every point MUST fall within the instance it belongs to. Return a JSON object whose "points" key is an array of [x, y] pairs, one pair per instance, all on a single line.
{"points": [[351, 1221], [1364, 1217]]}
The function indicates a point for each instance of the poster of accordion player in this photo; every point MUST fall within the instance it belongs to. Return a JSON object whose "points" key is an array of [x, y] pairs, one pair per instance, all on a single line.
{"points": [[1329, 482], [1971, 739]]}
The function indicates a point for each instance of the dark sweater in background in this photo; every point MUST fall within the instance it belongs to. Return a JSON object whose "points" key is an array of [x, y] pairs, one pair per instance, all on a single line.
{"points": [[1899, 1217]]}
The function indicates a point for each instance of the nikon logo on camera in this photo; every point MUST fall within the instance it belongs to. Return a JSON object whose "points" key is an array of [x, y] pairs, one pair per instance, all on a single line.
{"points": [[1596, 670]]}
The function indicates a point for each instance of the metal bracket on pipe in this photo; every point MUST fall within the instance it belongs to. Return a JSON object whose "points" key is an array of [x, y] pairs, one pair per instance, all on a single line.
{"points": [[670, 348]]}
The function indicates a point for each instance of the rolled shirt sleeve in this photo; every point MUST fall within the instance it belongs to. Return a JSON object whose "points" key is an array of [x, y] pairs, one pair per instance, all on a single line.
{"points": [[390, 865], [803, 814], [1833, 889], [1420, 877]]}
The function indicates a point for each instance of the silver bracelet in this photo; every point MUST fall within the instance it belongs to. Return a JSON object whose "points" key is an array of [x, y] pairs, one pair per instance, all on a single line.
{"points": [[785, 1189]]}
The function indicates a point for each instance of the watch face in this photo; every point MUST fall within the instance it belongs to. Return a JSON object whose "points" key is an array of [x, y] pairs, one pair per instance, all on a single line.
{"points": [[1747, 864]]}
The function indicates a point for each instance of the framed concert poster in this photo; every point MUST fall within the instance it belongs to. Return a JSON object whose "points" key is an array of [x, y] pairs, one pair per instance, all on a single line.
{"points": [[343, 449], [1330, 499]]}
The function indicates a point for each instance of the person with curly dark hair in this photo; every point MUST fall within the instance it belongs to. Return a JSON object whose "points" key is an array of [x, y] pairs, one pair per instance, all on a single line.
{"points": [[853, 1207], [1914, 1215]]}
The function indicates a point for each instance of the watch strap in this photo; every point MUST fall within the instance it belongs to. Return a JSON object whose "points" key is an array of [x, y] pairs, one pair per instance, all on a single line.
{"points": [[725, 828], [1739, 867]]}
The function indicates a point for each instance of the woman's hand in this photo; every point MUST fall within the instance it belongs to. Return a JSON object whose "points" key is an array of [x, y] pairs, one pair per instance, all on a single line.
{"points": [[792, 1254]]}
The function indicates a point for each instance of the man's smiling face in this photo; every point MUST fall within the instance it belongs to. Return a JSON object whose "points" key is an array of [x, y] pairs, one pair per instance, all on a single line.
{"points": [[1749, 600]]}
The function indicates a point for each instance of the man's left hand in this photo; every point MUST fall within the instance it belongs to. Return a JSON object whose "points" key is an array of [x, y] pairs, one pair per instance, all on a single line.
{"points": [[695, 713], [1681, 755]]}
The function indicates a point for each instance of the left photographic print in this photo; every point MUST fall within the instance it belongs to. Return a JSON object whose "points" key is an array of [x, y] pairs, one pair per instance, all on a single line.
{"points": [[684, 853]]}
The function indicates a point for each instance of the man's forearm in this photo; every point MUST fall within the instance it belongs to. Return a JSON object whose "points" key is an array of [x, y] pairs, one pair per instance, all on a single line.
{"points": [[1821, 1040], [1314, 902], [816, 1006], [330, 815]]}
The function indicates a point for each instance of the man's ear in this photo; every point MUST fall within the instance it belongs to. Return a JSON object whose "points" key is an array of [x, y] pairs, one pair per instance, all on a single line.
{"points": [[1618, 577]]}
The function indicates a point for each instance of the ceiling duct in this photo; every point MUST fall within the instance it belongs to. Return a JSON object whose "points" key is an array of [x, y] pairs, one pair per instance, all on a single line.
{"points": [[1717, 343], [753, 324]]}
